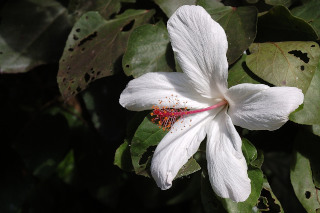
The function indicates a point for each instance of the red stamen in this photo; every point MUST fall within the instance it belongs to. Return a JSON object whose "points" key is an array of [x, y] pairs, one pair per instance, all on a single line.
{"points": [[165, 117]]}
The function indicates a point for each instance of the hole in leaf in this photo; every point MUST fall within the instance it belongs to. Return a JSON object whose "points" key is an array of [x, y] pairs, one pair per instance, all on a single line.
{"points": [[307, 194], [302, 68], [78, 89], [266, 200], [75, 37], [88, 38], [64, 80], [98, 73], [127, 65], [1, 52], [86, 77], [78, 30], [147, 154], [302, 56], [128, 26], [70, 49], [113, 15], [82, 49], [313, 45]]}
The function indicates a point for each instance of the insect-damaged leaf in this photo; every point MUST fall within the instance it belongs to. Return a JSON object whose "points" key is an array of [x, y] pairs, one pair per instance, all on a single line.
{"points": [[309, 113], [284, 63], [94, 48]]}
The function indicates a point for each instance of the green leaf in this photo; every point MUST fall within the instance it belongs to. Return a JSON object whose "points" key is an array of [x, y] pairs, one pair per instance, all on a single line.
{"points": [[32, 33], [209, 199], [306, 163], [280, 25], [239, 73], [309, 113], [143, 143], [147, 136], [106, 8], [310, 13], [66, 168], [212, 4], [122, 157], [93, 48], [169, 6], [239, 25], [144, 40], [269, 199], [286, 3], [285, 63], [316, 129]]}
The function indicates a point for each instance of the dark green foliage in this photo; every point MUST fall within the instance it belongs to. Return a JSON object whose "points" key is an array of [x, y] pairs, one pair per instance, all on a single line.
{"points": [[66, 144]]}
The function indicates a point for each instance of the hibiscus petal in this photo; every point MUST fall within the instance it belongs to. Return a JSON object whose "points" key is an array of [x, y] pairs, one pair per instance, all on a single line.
{"points": [[227, 166], [260, 107], [177, 147], [200, 45], [144, 92]]}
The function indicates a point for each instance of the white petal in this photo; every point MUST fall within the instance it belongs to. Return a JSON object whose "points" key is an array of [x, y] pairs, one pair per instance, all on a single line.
{"points": [[260, 107], [144, 92], [177, 147], [200, 45], [227, 166]]}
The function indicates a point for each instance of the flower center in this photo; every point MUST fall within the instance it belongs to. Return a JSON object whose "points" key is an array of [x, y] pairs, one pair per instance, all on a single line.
{"points": [[165, 116]]}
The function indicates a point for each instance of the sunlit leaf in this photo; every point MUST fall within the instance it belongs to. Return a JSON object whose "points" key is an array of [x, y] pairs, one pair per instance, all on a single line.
{"points": [[144, 40], [280, 25], [93, 48], [284, 63], [310, 13], [240, 73], [306, 162], [31, 33], [309, 113]]}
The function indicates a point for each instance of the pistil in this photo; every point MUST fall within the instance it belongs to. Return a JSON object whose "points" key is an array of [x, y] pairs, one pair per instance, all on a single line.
{"points": [[165, 117]]}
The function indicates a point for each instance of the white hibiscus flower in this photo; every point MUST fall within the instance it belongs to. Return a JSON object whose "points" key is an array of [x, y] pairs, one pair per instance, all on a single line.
{"points": [[201, 45]]}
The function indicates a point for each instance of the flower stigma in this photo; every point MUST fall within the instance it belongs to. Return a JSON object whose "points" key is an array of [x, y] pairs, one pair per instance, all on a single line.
{"points": [[165, 116]]}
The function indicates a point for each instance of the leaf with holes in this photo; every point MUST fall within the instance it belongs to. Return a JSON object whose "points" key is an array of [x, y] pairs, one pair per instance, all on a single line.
{"points": [[106, 8], [31, 33], [306, 162], [239, 73], [239, 25], [144, 141], [169, 6], [309, 12], [285, 63], [94, 48], [268, 201], [309, 113], [144, 40], [280, 25]]}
